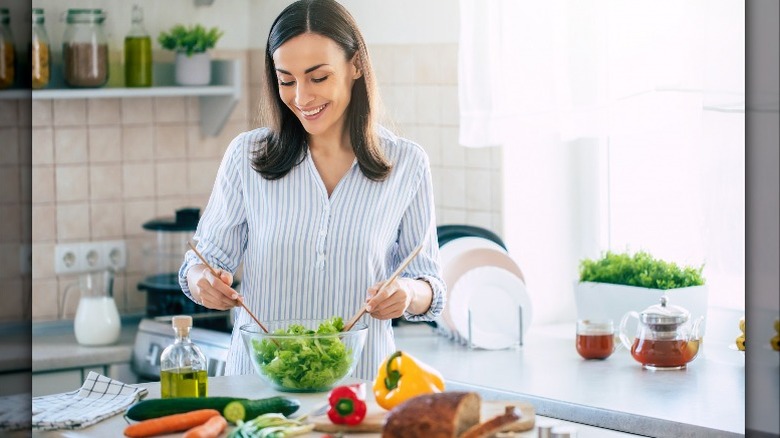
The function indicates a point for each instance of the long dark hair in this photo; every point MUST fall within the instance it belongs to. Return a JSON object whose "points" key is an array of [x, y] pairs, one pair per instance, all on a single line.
{"points": [[285, 145]]}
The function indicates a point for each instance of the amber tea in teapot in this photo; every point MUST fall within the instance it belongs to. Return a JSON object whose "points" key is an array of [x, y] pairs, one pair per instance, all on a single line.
{"points": [[665, 338]]}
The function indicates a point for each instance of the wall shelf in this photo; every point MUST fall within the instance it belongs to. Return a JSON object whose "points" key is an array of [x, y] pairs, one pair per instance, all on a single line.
{"points": [[216, 101]]}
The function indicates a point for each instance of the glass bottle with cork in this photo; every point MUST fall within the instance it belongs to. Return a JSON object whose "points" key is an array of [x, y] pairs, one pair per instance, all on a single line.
{"points": [[138, 52], [40, 52], [182, 365]]}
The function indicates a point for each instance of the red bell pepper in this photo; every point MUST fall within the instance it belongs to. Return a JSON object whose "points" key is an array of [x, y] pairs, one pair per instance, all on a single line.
{"points": [[347, 404]]}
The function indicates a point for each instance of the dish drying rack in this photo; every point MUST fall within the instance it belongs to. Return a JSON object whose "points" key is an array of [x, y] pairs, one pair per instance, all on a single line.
{"points": [[453, 335]]}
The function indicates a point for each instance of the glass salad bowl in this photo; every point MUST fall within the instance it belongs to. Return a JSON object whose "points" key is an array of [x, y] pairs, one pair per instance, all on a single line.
{"points": [[304, 355]]}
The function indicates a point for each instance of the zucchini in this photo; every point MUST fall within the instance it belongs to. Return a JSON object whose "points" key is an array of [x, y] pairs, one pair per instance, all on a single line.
{"points": [[159, 407]]}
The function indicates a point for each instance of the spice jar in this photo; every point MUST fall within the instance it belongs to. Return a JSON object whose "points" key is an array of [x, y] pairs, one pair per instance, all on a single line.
{"points": [[7, 55], [85, 49], [40, 51]]}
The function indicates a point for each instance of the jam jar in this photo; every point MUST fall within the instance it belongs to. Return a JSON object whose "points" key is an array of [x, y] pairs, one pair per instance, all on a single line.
{"points": [[40, 52], [85, 49], [7, 53]]}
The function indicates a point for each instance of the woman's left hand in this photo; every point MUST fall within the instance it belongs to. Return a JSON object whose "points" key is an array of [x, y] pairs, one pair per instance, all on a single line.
{"points": [[392, 301]]}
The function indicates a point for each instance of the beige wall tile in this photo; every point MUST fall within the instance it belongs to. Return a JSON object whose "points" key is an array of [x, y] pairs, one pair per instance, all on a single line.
{"points": [[256, 66], [10, 154], [449, 106], [70, 145], [403, 65], [10, 218], [199, 146], [453, 155], [241, 110], [140, 250], [44, 299], [382, 62], [25, 146], [135, 300], [9, 260], [42, 184], [42, 260], [69, 112], [105, 144], [42, 113], [137, 110], [478, 196], [427, 64], [193, 109], [449, 64], [138, 180], [25, 113], [478, 158], [429, 137], [451, 216], [14, 300], [401, 103], [42, 146], [480, 219], [119, 292], [454, 182], [25, 184], [171, 141], [104, 111], [72, 222], [105, 181], [10, 183], [171, 178], [9, 113], [170, 109], [167, 206], [253, 110], [136, 213], [427, 101], [44, 223], [68, 295], [137, 143], [201, 176], [106, 220], [72, 183], [438, 186]]}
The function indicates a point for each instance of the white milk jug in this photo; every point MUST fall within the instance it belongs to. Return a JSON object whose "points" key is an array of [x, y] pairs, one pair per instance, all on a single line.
{"points": [[97, 318]]}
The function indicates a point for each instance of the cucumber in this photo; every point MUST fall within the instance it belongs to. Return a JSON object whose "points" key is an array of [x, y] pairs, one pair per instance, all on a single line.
{"points": [[158, 407]]}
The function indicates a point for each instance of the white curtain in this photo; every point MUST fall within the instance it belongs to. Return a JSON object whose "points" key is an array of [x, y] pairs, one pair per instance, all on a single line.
{"points": [[622, 127]]}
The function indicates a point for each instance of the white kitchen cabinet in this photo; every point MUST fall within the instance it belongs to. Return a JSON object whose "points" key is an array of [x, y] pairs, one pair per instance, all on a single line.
{"points": [[216, 101]]}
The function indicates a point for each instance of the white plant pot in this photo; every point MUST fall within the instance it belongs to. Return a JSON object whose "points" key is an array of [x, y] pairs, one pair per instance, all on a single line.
{"points": [[612, 301], [193, 70]]}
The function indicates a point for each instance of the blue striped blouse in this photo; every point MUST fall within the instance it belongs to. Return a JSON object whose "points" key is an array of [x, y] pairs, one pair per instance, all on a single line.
{"points": [[309, 256]]}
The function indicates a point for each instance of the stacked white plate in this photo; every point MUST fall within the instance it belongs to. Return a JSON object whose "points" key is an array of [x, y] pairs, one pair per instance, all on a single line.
{"points": [[486, 294]]}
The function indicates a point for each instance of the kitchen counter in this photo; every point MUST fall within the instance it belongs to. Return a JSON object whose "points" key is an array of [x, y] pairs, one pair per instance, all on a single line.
{"points": [[250, 386], [54, 347], [707, 399]]}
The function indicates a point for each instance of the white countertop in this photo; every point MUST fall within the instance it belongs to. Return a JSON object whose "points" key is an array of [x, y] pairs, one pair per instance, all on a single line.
{"points": [[250, 386], [706, 399]]}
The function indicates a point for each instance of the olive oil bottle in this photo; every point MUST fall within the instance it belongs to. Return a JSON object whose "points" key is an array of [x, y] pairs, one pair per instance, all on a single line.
{"points": [[182, 364], [138, 52]]}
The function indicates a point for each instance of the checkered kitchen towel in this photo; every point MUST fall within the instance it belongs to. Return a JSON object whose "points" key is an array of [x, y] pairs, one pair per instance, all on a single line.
{"points": [[98, 399]]}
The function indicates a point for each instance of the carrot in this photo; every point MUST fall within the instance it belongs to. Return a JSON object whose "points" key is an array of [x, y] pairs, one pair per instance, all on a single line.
{"points": [[170, 423], [210, 429]]}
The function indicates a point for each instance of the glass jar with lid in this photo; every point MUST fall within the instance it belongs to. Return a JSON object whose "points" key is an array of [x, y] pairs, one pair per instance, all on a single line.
{"points": [[85, 49], [41, 51], [7, 53]]}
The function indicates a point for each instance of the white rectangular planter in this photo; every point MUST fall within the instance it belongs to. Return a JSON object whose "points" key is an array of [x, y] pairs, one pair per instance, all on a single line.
{"points": [[612, 301]]}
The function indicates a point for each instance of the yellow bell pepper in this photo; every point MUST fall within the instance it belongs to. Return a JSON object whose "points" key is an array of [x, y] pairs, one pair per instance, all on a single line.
{"points": [[402, 377]]}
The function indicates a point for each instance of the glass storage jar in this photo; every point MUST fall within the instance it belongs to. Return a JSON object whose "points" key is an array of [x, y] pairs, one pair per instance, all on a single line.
{"points": [[7, 53], [85, 49], [40, 51]]}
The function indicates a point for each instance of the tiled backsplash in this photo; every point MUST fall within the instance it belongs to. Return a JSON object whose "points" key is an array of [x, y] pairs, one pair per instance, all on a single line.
{"points": [[102, 167]]}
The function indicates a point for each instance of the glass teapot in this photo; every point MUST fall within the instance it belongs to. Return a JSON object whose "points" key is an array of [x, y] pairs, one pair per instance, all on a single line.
{"points": [[666, 339]]}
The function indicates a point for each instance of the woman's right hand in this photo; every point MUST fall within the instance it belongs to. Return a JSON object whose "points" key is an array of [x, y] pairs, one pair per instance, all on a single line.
{"points": [[212, 292]]}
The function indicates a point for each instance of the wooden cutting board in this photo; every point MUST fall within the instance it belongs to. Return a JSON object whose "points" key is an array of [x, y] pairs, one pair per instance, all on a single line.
{"points": [[375, 418]]}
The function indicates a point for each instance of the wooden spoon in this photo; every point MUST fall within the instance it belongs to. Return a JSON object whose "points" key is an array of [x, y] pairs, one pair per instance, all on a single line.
{"points": [[392, 278], [214, 272]]}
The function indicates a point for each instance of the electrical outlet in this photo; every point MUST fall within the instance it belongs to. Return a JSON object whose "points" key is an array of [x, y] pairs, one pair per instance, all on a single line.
{"points": [[115, 254], [67, 258], [74, 258]]}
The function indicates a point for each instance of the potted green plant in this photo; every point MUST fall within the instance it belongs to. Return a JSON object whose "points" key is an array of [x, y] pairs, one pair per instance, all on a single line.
{"points": [[191, 44], [617, 283]]}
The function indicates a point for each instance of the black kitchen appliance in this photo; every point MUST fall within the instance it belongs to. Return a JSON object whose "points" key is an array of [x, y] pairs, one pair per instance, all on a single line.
{"points": [[163, 259]]}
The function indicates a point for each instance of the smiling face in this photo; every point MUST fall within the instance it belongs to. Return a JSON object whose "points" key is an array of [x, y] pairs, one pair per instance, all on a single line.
{"points": [[315, 82]]}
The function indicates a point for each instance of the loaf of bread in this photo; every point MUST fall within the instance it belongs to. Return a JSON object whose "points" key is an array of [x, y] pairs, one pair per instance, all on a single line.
{"points": [[440, 415]]}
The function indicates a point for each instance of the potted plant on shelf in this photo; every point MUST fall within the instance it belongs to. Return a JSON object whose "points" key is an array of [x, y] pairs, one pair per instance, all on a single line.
{"points": [[616, 283], [193, 62]]}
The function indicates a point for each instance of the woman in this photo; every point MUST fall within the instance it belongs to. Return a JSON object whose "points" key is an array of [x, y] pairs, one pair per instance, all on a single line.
{"points": [[323, 205]]}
